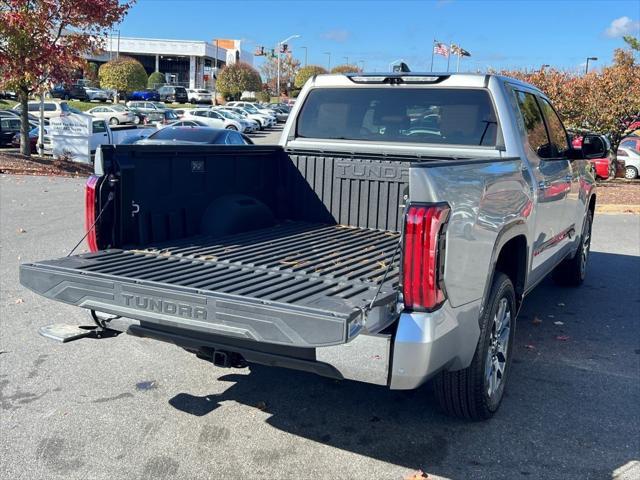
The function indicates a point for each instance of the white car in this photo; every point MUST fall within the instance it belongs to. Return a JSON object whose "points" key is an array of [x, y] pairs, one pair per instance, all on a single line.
{"points": [[96, 94], [115, 114], [199, 95], [212, 118], [253, 108], [263, 120], [249, 125], [51, 108], [631, 160]]}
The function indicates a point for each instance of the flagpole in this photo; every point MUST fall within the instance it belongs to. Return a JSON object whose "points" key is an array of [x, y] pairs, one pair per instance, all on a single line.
{"points": [[432, 52], [458, 64], [449, 56]]}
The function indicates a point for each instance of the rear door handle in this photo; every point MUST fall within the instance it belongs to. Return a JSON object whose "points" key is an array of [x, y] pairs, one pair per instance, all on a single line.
{"points": [[543, 185]]}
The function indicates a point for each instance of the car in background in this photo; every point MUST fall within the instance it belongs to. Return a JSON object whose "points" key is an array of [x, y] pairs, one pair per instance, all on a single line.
{"points": [[33, 140], [9, 127], [115, 114], [180, 111], [632, 142], [199, 95], [195, 135], [52, 108], [262, 120], [173, 93], [16, 114], [8, 94], [69, 92], [631, 160], [254, 108], [96, 94], [249, 125], [147, 94], [282, 114], [212, 118], [147, 107], [605, 167]]}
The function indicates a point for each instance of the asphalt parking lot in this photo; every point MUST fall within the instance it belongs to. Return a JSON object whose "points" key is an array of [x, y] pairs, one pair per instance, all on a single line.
{"points": [[133, 408]]}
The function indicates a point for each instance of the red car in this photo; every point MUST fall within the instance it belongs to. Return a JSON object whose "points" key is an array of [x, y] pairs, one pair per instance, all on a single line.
{"points": [[605, 167]]}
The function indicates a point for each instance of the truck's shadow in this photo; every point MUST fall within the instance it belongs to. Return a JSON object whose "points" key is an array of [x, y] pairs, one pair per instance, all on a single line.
{"points": [[556, 418]]}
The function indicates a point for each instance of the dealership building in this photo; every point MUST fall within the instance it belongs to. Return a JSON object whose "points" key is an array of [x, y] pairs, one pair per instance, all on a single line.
{"points": [[184, 62]]}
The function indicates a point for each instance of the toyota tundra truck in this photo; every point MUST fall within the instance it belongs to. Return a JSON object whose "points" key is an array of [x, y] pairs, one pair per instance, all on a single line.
{"points": [[389, 238]]}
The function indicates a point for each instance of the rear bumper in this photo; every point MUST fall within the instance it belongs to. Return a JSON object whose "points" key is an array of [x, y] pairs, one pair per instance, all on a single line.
{"points": [[423, 345]]}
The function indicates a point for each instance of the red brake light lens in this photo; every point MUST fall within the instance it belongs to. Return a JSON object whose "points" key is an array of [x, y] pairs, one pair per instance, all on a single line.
{"points": [[423, 256], [90, 212]]}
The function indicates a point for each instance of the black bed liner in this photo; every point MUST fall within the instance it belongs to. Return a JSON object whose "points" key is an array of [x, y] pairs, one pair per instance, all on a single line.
{"points": [[296, 283]]}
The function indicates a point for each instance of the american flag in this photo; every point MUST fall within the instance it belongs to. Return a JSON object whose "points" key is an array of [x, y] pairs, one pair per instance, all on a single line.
{"points": [[441, 49]]}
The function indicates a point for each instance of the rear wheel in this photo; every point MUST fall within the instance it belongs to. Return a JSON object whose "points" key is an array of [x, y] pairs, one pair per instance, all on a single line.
{"points": [[476, 392], [630, 173], [572, 271], [114, 121]]}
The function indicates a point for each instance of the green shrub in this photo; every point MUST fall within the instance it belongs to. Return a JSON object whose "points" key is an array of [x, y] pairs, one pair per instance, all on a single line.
{"points": [[237, 78], [263, 96], [294, 93], [305, 73], [345, 69], [123, 74], [155, 80]]}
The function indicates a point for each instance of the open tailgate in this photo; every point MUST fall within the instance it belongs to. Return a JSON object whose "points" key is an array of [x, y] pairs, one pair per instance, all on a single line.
{"points": [[297, 284]]}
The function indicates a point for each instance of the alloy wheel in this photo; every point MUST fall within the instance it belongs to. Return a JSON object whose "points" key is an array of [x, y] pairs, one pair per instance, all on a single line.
{"points": [[496, 360]]}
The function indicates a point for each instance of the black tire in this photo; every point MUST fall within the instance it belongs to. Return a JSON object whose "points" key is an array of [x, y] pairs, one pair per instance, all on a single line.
{"points": [[572, 271], [231, 127], [114, 121], [470, 393], [630, 172]]}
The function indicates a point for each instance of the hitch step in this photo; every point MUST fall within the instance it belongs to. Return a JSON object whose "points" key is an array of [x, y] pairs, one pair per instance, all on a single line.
{"points": [[64, 332]]}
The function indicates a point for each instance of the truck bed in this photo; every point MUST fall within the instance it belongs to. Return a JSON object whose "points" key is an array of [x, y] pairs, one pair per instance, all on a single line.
{"points": [[296, 283]]}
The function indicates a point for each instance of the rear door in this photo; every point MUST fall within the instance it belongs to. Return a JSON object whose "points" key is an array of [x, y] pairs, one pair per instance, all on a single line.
{"points": [[575, 204], [552, 177]]}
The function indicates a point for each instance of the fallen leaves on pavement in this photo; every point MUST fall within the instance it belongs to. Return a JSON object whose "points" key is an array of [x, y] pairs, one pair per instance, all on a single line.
{"points": [[562, 338], [419, 475]]}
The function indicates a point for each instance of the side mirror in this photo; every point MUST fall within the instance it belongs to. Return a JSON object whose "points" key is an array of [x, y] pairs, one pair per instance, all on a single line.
{"points": [[593, 147]]}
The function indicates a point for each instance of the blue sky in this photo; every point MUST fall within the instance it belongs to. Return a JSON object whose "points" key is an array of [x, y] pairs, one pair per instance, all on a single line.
{"points": [[497, 33]]}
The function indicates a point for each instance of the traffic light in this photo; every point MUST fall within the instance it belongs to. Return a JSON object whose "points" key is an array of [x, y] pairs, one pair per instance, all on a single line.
{"points": [[283, 48], [259, 52]]}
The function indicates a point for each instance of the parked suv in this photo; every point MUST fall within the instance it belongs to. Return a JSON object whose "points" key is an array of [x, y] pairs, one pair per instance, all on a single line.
{"points": [[52, 108], [71, 92], [146, 94], [172, 93]]}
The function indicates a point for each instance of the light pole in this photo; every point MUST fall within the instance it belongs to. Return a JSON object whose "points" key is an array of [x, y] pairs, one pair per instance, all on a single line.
{"points": [[346, 59], [278, 48], [215, 75], [586, 68], [329, 66], [543, 66], [305, 55], [361, 62]]}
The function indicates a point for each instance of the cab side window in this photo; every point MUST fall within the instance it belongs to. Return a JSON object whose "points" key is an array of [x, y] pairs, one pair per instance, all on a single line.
{"points": [[534, 125], [99, 127], [557, 133]]}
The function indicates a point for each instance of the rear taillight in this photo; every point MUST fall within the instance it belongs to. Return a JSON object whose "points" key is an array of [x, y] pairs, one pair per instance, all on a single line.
{"points": [[423, 256], [90, 212]]}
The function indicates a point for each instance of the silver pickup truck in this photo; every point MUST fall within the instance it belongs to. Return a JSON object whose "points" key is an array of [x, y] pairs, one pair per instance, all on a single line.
{"points": [[391, 238]]}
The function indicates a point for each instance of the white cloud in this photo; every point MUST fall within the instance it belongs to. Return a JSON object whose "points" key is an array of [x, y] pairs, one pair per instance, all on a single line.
{"points": [[622, 26], [336, 35]]}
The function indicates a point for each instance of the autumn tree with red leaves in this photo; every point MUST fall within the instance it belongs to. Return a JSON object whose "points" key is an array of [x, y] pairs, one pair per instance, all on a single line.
{"points": [[44, 41]]}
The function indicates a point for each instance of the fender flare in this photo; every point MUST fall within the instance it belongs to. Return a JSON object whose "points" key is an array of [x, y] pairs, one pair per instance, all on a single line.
{"points": [[508, 232]]}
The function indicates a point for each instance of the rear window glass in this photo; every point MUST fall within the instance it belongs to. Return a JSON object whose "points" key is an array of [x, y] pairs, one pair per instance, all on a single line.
{"points": [[186, 134], [408, 115]]}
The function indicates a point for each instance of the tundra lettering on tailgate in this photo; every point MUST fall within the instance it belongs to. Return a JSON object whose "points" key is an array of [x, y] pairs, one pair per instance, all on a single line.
{"points": [[371, 171], [164, 306]]}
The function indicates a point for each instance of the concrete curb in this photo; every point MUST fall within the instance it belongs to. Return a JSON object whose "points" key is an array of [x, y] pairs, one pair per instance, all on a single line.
{"points": [[617, 209]]}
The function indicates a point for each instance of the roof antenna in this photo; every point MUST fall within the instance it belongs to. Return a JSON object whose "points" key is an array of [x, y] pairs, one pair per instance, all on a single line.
{"points": [[401, 68]]}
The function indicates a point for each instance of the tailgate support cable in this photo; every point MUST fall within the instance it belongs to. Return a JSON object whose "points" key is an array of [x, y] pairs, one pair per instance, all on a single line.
{"points": [[365, 310], [93, 225]]}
